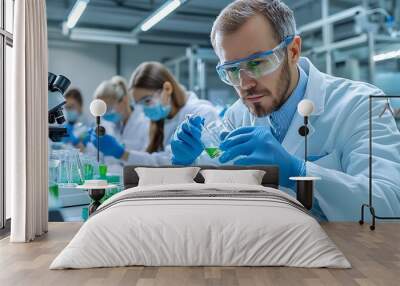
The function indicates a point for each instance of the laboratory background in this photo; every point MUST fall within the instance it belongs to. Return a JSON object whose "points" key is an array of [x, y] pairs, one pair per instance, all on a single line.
{"points": [[95, 47], [212, 142]]}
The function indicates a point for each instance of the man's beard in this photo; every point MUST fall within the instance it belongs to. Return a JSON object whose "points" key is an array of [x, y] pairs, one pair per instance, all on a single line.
{"points": [[283, 86]]}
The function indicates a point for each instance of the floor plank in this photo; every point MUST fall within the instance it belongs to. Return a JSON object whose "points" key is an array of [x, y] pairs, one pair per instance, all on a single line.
{"points": [[374, 255]]}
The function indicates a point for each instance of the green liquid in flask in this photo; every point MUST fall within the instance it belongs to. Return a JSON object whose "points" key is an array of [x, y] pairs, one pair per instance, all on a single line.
{"points": [[54, 191], [213, 152]]}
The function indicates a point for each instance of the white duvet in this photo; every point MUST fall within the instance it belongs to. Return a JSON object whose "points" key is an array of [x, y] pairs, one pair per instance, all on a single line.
{"points": [[203, 231]]}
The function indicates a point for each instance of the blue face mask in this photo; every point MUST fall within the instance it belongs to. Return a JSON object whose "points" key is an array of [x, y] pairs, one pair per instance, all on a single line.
{"points": [[157, 111], [113, 116], [71, 115]]}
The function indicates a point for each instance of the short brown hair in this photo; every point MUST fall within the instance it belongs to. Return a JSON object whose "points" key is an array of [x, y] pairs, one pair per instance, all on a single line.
{"points": [[75, 94], [236, 14]]}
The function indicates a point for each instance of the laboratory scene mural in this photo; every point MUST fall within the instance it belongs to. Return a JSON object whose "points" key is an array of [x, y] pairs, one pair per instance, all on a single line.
{"points": [[200, 142], [301, 96]]}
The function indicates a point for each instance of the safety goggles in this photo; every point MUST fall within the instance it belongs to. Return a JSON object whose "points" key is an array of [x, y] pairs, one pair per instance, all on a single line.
{"points": [[150, 100], [255, 66]]}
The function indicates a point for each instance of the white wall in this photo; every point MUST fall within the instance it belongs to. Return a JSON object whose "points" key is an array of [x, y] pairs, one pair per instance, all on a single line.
{"points": [[132, 56], [86, 65]]}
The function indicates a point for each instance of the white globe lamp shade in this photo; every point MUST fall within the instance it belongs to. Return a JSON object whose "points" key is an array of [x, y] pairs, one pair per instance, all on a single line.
{"points": [[98, 107], [305, 107]]}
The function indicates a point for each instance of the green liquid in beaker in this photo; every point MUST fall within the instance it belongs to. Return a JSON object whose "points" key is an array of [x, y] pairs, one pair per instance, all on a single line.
{"points": [[54, 191], [102, 171], [213, 152], [88, 171]]}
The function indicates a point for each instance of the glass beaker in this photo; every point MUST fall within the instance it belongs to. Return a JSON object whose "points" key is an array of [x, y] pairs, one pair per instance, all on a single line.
{"points": [[103, 171], [211, 137], [211, 141], [54, 165], [88, 171], [76, 167], [70, 171], [87, 166], [63, 170]]}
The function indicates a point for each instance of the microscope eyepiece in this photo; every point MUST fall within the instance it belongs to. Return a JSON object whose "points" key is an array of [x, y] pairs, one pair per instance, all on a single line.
{"points": [[61, 83], [51, 78]]}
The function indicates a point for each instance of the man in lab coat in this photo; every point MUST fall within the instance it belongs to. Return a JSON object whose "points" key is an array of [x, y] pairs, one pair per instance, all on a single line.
{"points": [[259, 55]]}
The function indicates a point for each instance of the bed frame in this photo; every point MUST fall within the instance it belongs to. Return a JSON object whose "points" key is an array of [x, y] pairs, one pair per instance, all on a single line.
{"points": [[270, 179]]}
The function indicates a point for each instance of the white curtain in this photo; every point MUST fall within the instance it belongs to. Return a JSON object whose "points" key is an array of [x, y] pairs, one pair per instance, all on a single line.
{"points": [[26, 123]]}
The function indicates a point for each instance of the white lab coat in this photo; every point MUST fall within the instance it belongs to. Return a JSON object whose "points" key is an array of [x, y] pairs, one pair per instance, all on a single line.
{"points": [[193, 106], [134, 135], [338, 145]]}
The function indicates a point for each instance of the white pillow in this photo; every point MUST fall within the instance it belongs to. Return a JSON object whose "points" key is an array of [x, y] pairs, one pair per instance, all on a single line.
{"points": [[248, 177], [166, 176]]}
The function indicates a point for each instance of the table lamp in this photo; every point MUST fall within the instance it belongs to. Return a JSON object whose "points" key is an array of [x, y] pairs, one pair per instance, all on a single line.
{"points": [[305, 185], [98, 108], [305, 108]]}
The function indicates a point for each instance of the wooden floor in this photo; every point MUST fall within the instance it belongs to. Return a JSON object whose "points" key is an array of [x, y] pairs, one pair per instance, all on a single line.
{"points": [[375, 257]]}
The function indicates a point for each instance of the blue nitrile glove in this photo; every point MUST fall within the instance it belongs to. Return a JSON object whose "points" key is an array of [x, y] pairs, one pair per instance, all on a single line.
{"points": [[223, 135], [86, 139], [186, 144], [109, 146], [257, 146], [71, 137]]}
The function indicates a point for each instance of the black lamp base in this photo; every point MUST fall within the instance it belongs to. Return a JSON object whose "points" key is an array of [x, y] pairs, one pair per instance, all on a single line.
{"points": [[305, 193], [96, 195], [305, 190]]}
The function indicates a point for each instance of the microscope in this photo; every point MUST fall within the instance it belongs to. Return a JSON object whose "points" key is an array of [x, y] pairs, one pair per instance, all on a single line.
{"points": [[57, 85]]}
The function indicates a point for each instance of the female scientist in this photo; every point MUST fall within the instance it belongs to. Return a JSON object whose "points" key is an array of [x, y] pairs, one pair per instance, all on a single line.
{"points": [[125, 125], [166, 103]]}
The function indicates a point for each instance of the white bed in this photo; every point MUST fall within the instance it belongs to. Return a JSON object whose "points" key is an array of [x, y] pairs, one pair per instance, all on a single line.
{"points": [[224, 225]]}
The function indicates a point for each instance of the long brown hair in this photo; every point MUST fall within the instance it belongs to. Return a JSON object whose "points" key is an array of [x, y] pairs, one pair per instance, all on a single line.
{"points": [[152, 76]]}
